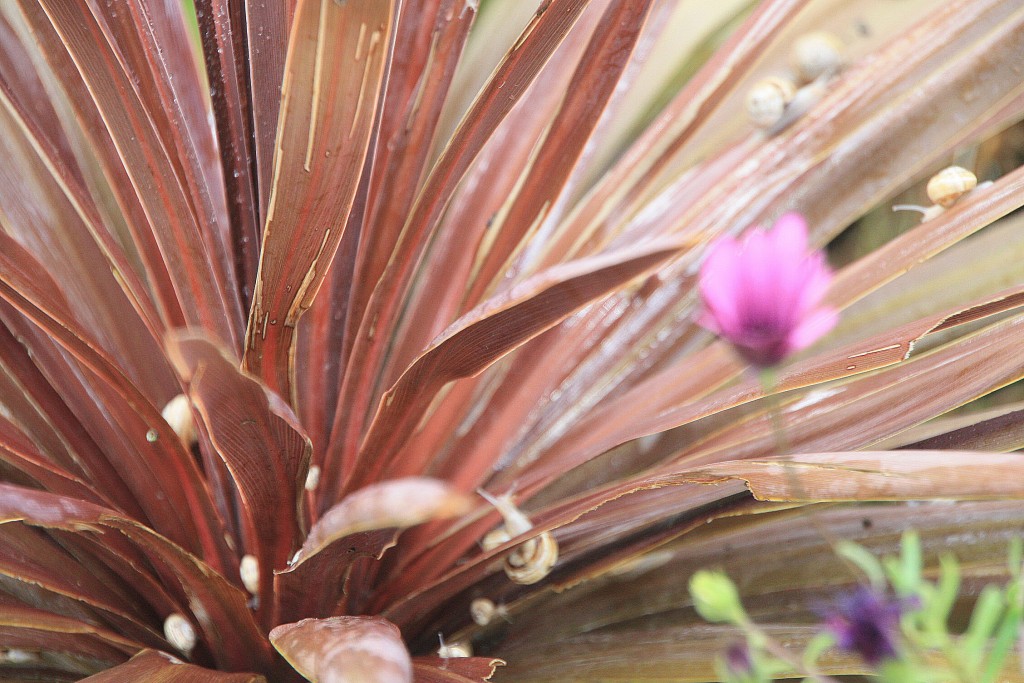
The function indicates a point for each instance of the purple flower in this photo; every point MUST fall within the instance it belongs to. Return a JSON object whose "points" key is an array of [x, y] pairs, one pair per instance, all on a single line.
{"points": [[762, 292], [738, 660], [866, 622]]}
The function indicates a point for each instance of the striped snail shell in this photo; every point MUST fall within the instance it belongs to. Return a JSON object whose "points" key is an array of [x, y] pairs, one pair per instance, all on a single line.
{"points": [[495, 537], [767, 100], [949, 184], [532, 559]]}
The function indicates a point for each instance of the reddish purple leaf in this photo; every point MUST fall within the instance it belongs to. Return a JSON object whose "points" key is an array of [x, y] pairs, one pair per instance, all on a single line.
{"points": [[262, 445], [160, 667], [345, 650]]}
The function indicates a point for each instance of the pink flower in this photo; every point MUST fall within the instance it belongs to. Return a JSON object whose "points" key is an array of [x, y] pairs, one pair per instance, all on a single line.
{"points": [[762, 292]]}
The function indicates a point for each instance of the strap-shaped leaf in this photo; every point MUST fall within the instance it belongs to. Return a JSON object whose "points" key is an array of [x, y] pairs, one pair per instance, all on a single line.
{"points": [[35, 629], [517, 70], [219, 610], [261, 443], [160, 183], [487, 333], [597, 74], [160, 474], [333, 77], [877, 475]]}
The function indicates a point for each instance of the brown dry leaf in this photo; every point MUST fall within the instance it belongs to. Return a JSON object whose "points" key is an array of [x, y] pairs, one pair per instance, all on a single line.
{"points": [[877, 475]]}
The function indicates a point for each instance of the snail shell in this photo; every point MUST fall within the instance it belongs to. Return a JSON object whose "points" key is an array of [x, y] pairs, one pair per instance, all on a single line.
{"points": [[19, 656], [492, 539], [949, 184], [180, 633], [312, 478], [483, 611], [532, 559], [767, 100], [249, 571], [817, 54], [178, 414], [453, 650]]}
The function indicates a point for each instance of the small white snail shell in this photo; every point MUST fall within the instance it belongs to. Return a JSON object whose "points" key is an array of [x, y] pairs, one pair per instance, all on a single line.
{"points": [[483, 611], [945, 188], [179, 633], [249, 571], [312, 478], [18, 656], [532, 559], [949, 184], [453, 650], [767, 100], [816, 54], [178, 414]]}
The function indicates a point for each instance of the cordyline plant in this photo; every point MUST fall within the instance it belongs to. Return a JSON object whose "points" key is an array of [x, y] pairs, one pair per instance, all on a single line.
{"points": [[281, 295]]}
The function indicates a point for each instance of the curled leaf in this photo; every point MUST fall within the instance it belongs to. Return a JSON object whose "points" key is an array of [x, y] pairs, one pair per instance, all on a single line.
{"points": [[345, 650]]}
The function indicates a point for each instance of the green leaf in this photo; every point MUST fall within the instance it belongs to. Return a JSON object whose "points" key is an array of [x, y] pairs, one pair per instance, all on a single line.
{"points": [[865, 561], [983, 622]]}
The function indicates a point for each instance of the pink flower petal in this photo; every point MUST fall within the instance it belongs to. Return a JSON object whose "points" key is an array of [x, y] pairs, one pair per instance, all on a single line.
{"points": [[789, 255], [757, 277], [812, 328], [762, 293], [719, 284]]}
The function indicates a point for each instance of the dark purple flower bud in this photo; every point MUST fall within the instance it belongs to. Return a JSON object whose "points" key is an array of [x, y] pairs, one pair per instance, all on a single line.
{"points": [[762, 293], [738, 660], [866, 622]]}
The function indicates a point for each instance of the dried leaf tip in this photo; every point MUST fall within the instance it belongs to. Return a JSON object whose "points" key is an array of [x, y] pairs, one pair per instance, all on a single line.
{"points": [[180, 633], [178, 414]]}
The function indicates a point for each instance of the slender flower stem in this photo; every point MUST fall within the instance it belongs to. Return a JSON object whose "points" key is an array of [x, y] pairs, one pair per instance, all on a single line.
{"points": [[768, 386], [782, 654]]}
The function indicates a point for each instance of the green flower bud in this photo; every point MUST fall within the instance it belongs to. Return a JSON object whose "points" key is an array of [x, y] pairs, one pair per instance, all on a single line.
{"points": [[715, 597]]}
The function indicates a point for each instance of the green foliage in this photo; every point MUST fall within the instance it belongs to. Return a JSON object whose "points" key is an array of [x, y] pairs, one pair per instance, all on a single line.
{"points": [[926, 650]]}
